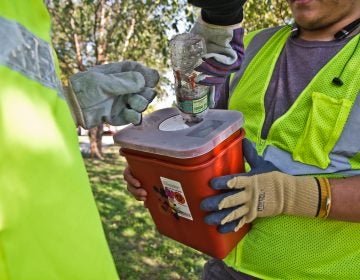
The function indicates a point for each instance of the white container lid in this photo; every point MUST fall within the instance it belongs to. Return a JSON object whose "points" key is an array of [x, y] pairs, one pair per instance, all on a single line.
{"points": [[164, 133]]}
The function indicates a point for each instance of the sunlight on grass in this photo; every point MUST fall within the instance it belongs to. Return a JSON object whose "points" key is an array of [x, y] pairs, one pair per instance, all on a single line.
{"points": [[129, 232], [139, 251]]}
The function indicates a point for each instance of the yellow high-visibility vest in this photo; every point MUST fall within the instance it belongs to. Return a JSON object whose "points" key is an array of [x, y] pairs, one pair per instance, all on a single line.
{"points": [[49, 224], [317, 135]]}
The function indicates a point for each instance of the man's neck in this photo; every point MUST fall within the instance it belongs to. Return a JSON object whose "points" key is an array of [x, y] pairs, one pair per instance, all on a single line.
{"points": [[327, 33]]}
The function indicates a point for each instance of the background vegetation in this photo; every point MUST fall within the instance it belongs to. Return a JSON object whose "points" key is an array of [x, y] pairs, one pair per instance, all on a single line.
{"points": [[92, 32], [139, 251]]}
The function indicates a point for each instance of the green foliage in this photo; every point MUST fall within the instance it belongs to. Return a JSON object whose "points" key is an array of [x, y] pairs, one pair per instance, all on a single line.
{"points": [[91, 32], [265, 13], [139, 251]]}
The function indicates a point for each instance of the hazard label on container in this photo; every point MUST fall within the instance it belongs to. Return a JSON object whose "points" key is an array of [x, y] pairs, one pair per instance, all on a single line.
{"points": [[176, 197]]}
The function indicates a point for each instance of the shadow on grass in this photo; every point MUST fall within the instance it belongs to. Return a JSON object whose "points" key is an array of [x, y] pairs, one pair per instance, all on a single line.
{"points": [[139, 251]]}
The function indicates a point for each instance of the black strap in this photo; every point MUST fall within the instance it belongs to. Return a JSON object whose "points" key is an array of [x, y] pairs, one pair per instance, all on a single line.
{"points": [[343, 33]]}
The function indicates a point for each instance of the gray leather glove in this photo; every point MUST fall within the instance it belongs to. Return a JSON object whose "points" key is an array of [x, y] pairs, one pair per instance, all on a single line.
{"points": [[115, 93], [225, 52]]}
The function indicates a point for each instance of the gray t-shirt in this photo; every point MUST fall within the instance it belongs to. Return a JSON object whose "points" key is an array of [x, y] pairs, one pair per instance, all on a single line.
{"points": [[298, 63]]}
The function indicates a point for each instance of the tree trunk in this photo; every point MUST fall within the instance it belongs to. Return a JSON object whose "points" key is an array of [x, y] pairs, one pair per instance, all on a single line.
{"points": [[77, 45], [95, 136]]}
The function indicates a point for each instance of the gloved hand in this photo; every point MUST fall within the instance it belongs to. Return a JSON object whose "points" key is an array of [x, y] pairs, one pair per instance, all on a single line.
{"points": [[219, 25], [115, 93], [225, 12], [262, 192]]}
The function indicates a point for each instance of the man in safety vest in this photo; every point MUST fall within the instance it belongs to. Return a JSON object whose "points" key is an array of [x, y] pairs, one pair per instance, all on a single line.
{"points": [[298, 88], [49, 224]]}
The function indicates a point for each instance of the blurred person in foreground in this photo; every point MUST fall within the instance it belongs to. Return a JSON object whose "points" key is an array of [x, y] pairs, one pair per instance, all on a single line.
{"points": [[298, 88], [49, 224]]}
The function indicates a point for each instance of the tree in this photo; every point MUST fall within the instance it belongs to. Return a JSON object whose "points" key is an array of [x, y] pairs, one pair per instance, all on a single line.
{"points": [[266, 13], [93, 32]]}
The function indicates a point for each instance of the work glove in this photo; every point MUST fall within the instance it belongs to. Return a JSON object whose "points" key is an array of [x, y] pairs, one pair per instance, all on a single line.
{"points": [[115, 93], [263, 192], [224, 44]]}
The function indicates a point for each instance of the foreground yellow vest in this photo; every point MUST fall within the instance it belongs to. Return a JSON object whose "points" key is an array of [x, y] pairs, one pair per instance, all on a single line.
{"points": [[286, 247], [49, 224]]}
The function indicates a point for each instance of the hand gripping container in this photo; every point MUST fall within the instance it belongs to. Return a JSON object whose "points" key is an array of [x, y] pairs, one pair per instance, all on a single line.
{"points": [[174, 163]]}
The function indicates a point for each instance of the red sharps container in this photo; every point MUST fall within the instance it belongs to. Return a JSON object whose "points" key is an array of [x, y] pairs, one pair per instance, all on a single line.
{"points": [[175, 161]]}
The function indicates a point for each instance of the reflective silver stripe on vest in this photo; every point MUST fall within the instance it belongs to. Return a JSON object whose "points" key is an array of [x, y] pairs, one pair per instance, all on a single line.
{"points": [[27, 54], [339, 164], [347, 146]]}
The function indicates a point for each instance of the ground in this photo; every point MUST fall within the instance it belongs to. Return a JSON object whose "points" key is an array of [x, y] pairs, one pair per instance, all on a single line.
{"points": [[139, 251]]}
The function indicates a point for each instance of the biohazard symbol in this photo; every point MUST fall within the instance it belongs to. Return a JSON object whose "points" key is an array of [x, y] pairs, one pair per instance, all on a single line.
{"points": [[164, 202], [179, 197]]}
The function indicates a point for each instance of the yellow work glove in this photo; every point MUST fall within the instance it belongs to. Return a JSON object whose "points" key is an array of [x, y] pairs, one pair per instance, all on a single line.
{"points": [[264, 192]]}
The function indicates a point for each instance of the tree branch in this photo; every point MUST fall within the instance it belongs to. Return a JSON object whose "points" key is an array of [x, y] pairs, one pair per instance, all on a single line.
{"points": [[128, 36]]}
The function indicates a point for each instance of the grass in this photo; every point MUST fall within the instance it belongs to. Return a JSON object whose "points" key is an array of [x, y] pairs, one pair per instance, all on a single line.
{"points": [[139, 251]]}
